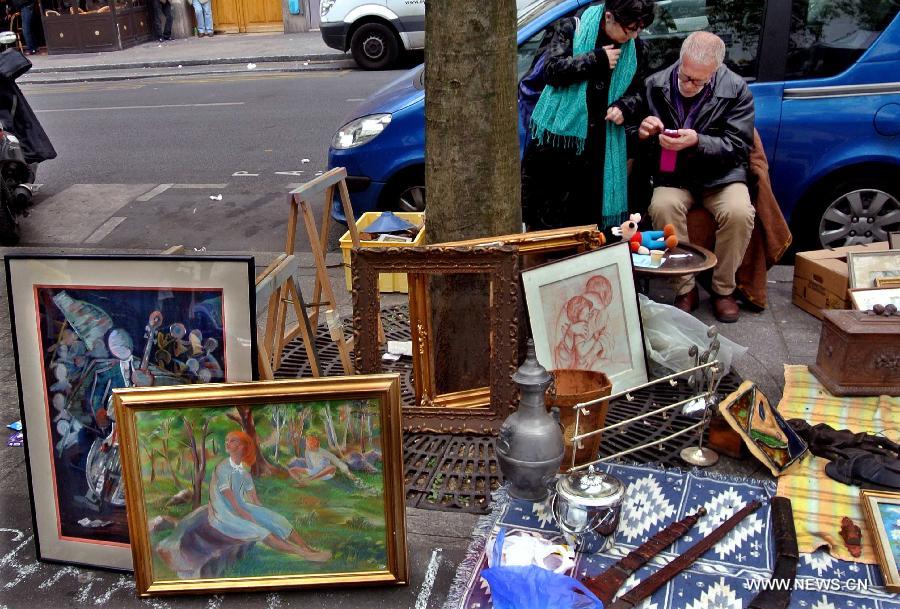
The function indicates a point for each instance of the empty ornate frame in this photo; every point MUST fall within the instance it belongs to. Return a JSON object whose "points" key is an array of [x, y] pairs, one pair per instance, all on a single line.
{"points": [[480, 410]]}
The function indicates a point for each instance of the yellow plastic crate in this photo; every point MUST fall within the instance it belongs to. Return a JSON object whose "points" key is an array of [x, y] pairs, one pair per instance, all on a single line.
{"points": [[387, 282]]}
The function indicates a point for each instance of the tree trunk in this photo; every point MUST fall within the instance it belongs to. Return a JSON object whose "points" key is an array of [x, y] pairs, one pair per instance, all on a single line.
{"points": [[472, 169], [178, 483], [262, 467]]}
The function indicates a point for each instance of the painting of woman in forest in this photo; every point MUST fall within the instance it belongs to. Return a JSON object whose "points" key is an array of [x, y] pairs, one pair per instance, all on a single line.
{"points": [[253, 491]]}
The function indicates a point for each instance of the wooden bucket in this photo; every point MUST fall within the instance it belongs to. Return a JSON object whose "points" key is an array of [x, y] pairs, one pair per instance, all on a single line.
{"points": [[572, 387]]}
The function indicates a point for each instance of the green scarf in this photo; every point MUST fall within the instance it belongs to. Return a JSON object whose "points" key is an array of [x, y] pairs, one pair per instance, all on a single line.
{"points": [[560, 118]]}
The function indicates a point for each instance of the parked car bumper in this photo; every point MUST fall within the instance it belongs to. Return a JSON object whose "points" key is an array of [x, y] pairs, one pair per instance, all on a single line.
{"points": [[335, 35]]}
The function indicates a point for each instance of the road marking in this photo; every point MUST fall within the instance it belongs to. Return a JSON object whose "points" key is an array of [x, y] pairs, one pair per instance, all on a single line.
{"points": [[212, 104], [428, 584], [105, 229], [356, 99], [297, 172], [156, 191], [201, 186], [244, 174]]}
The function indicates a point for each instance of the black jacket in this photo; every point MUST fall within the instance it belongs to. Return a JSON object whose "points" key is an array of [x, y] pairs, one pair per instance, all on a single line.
{"points": [[724, 125], [16, 114], [559, 187]]}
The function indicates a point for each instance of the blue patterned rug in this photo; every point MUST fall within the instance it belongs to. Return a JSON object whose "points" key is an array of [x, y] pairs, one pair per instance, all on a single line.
{"points": [[723, 578]]}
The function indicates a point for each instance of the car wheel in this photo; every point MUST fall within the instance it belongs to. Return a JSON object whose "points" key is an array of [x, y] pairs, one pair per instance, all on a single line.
{"points": [[859, 211], [374, 46]]}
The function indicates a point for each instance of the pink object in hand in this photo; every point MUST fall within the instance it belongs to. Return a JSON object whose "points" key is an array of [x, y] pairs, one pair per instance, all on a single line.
{"points": [[667, 160]]}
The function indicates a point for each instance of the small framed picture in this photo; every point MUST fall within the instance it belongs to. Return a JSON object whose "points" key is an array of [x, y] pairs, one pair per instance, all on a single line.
{"points": [[866, 298], [85, 325], [584, 315], [882, 511], [865, 268], [894, 240], [283, 484]]}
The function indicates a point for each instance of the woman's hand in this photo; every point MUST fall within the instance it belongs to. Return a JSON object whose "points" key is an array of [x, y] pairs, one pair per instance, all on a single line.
{"points": [[615, 115], [612, 55], [650, 126]]}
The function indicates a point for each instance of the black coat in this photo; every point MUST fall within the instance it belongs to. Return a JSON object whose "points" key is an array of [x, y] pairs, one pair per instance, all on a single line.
{"points": [[560, 187], [16, 114], [724, 125]]}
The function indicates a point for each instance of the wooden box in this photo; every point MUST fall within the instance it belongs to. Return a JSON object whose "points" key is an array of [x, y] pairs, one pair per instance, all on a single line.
{"points": [[859, 354]]}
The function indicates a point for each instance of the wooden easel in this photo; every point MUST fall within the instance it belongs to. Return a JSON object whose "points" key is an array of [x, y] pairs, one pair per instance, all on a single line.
{"points": [[279, 276]]}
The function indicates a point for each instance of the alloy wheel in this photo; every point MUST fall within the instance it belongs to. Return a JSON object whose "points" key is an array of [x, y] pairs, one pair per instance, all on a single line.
{"points": [[859, 216], [411, 199]]}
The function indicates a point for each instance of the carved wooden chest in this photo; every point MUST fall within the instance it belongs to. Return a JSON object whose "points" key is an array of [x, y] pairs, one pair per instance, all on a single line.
{"points": [[859, 353]]}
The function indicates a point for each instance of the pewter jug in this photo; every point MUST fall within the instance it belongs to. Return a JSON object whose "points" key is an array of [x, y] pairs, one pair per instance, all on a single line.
{"points": [[530, 446]]}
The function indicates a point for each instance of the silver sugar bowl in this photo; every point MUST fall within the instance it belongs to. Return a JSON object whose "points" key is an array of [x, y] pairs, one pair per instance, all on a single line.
{"points": [[586, 506]]}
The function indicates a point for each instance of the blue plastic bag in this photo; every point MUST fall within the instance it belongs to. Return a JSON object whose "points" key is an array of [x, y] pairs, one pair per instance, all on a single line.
{"points": [[533, 587], [294, 7]]}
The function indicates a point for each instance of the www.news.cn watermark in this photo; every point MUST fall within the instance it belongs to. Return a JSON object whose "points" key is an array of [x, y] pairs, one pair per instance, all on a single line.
{"points": [[809, 584]]}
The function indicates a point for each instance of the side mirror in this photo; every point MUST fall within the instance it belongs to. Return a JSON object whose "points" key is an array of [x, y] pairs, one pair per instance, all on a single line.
{"points": [[8, 38]]}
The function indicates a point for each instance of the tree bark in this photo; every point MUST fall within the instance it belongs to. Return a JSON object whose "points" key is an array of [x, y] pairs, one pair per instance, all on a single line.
{"points": [[472, 169]]}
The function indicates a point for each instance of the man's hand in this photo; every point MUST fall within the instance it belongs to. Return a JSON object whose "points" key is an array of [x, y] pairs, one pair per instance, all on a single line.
{"points": [[650, 126], [686, 139], [612, 55], [615, 115]]}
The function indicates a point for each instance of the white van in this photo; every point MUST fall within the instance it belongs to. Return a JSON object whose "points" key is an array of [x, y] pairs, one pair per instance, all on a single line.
{"points": [[375, 31]]}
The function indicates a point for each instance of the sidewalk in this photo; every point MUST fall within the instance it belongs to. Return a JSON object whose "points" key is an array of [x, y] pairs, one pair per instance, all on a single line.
{"points": [[221, 53], [437, 541]]}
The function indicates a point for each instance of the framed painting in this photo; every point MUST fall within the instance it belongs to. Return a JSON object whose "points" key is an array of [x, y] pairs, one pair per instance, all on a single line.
{"points": [[584, 315], [866, 298], [866, 268], [882, 510], [85, 325], [288, 484], [762, 428], [479, 409]]}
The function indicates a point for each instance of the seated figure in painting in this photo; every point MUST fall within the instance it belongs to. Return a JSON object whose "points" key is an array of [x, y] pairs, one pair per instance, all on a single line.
{"points": [[317, 464], [236, 516], [584, 339]]}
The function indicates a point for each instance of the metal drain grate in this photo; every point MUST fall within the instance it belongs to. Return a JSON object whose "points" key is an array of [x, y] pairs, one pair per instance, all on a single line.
{"points": [[450, 473], [457, 473]]}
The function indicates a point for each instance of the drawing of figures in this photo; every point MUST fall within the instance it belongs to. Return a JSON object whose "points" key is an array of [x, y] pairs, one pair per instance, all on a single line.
{"points": [[588, 312]]}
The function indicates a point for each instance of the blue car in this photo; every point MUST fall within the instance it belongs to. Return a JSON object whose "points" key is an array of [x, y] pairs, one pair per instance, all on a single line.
{"points": [[825, 75]]}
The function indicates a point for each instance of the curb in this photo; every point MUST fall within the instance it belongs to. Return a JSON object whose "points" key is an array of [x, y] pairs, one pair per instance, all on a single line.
{"points": [[190, 62], [48, 79]]}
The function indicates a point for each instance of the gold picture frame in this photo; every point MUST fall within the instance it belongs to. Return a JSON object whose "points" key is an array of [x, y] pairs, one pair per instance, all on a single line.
{"points": [[882, 512], [254, 519], [533, 248]]}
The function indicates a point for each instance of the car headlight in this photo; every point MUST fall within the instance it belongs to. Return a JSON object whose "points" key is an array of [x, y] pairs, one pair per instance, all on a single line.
{"points": [[325, 6], [358, 132]]}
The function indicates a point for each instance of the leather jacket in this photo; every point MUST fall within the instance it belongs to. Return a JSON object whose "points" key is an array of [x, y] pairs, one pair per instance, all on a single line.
{"points": [[724, 125]]}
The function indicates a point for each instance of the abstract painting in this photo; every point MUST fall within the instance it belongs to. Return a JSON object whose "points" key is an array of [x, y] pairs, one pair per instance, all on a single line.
{"points": [[258, 483], [763, 429], [584, 315], [81, 333]]}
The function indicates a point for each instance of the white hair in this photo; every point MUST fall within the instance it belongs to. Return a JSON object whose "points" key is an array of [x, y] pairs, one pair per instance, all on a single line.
{"points": [[704, 47]]}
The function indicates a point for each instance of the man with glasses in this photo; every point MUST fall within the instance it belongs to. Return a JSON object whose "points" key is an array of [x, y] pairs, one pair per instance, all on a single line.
{"points": [[702, 113]]}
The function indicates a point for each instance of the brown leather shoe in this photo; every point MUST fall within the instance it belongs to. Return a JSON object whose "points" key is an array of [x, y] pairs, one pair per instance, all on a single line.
{"points": [[725, 308], [688, 302]]}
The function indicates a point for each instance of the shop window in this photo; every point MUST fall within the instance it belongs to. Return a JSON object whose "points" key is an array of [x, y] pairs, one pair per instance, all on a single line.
{"points": [[828, 36], [737, 22], [76, 7]]}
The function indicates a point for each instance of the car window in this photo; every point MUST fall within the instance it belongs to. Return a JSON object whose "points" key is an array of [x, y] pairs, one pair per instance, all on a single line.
{"points": [[526, 53], [828, 36], [737, 22]]}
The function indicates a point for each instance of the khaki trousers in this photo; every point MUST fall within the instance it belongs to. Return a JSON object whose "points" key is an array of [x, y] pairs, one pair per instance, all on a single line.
{"points": [[734, 213]]}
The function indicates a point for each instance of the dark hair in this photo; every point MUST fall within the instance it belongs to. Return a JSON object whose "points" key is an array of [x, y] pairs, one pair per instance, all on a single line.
{"points": [[632, 12]]}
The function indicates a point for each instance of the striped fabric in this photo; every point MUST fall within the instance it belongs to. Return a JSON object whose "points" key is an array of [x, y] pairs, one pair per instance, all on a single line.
{"points": [[819, 502]]}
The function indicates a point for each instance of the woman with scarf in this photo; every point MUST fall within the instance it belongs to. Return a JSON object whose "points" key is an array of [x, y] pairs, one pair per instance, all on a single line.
{"points": [[574, 170]]}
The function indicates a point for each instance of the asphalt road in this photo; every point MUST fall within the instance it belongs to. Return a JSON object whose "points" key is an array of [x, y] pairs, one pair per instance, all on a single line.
{"points": [[121, 143]]}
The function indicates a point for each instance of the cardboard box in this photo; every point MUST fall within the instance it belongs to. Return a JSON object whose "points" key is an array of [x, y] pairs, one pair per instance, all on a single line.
{"points": [[387, 282], [821, 278]]}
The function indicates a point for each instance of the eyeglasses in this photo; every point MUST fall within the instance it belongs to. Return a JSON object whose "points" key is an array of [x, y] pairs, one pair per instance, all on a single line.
{"points": [[697, 82], [630, 29]]}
